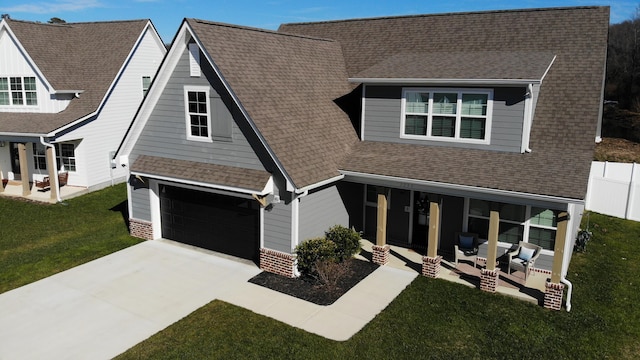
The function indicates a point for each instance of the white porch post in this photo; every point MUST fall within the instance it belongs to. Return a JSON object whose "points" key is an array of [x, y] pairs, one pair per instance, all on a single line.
{"points": [[489, 275], [381, 250], [431, 262], [53, 174], [24, 169], [554, 289]]}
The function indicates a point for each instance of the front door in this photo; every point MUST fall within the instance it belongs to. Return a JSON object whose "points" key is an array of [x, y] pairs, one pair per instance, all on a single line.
{"points": [[15, 160], [420, 220]]}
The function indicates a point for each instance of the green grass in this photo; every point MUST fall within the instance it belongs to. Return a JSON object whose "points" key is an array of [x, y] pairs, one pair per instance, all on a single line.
{"points": [[38, 240], [441, 320]]}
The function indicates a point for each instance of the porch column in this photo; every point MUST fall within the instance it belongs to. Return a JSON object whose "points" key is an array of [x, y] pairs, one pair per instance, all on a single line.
{"points": [[489, 275], [24, 169], [53, 174], [431, 262], [1, 178], [381, 250], [554, 288]]}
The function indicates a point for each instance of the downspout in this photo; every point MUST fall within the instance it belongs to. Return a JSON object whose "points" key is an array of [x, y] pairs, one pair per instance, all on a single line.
{"points": [[55, 178], [569, 288]]}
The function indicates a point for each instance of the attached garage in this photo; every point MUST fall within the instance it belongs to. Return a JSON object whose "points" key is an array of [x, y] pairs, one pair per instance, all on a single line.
{"points": [[222, 223]]}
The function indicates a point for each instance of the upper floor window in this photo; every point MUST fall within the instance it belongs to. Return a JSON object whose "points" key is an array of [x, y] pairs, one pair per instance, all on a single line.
{"points": [[198, 114], [447, 114], [146, 82], [18, 91]]}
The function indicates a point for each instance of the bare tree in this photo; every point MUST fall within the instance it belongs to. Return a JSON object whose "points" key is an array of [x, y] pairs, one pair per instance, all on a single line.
{"points": [[623, 63]]}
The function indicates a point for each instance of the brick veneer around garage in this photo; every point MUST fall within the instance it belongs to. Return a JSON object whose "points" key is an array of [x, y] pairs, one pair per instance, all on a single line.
{"points": [[141, 229], [277, 262]]}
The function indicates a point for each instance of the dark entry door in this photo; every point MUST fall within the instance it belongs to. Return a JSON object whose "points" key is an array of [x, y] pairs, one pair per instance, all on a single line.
{"points": [[226, 224], [15, 160]]}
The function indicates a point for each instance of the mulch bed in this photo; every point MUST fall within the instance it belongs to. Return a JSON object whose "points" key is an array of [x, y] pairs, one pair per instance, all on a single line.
{"points": [[310, 290]]}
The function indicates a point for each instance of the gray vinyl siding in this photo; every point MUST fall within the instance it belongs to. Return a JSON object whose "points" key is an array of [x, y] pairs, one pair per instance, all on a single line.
{"points": [[140, 203], [383, 115], [165, 134], [321, 210], [277, 227]]}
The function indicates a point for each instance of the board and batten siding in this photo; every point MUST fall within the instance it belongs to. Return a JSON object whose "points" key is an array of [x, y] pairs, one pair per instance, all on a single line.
{"points": [[99, 138], [383, 110], [165, 133], [321, 210]]}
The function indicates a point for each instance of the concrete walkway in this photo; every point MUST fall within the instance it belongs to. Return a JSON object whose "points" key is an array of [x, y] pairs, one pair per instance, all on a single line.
{"points": [[100, 309]]}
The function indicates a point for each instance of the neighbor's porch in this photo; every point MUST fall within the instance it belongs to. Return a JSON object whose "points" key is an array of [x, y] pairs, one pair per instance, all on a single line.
{"points": [[532, 289], [14, 189]]}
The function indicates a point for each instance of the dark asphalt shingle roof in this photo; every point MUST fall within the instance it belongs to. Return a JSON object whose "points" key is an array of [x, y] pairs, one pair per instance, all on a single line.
{"points": [[288, 85], [72, 56], [248, 179], [566, 116]]}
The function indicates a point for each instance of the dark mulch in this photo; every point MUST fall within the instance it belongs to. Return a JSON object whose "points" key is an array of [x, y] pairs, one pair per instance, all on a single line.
{"points": [[312, 291]]}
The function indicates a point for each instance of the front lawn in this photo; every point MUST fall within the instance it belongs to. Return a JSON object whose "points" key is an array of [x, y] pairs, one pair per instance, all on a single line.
{"points": [[437, 319], [39, 240]]}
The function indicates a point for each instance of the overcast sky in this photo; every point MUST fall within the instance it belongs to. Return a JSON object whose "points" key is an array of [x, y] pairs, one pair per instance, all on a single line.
{"points": [[168, 14]]}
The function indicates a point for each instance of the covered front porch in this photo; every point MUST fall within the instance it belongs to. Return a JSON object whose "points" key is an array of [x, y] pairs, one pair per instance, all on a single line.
{"points": [[531, 290], [14, 188]]}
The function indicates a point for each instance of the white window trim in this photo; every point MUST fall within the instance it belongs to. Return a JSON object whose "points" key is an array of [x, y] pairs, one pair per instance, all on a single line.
{"points": [[23, 91], [187, 119], [456, 138]]}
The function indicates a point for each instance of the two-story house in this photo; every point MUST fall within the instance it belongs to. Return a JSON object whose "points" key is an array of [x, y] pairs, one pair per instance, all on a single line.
{"points": [[409, 129], [67, 96]]}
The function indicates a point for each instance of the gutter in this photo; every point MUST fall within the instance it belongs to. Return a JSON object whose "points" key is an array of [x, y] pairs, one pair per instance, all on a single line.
{"points": [[569, 288], [55, 178]]}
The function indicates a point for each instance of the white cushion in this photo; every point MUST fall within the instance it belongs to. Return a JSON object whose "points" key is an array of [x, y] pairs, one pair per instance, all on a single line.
{"points": [[526, 254]]}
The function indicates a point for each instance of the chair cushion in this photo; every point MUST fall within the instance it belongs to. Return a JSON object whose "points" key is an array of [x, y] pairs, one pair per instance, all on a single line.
{"points": [[466, 242], [526, 254]]}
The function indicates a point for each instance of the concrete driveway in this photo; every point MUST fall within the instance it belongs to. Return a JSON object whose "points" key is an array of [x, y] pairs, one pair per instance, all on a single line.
{"points": [[102, 308]]}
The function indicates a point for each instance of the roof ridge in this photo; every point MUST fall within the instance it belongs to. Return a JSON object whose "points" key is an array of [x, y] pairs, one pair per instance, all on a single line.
{"points": [[32, 22], [445, 14], [256, 29]]}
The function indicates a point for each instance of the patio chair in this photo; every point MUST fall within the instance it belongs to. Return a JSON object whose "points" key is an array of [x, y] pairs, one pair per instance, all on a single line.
{"points": [[466, 247], [44, 184], [523, 258]]}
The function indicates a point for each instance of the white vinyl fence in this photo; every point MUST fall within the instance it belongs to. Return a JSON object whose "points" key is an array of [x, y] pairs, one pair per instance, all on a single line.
{"points": [[614, 189]]}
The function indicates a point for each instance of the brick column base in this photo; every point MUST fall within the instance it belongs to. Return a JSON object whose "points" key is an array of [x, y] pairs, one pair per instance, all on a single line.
{"points": [[278, 262], [553, 295], [381, 254], [140, 229], [431, 266], [489, 280]]}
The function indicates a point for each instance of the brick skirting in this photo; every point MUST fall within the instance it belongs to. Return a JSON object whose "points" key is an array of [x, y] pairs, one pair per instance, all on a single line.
{"points": [[277, 262], [553, 295], [141, 229], [489, 280], [381, 254], [431, 266]]}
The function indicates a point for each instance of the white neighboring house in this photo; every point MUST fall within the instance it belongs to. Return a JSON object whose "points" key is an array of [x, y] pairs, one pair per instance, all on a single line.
{"points": [[68, 93]]}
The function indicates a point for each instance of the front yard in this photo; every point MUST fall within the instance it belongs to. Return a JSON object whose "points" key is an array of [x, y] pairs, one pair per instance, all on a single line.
{"points": [[430, 319], [38, 240]]}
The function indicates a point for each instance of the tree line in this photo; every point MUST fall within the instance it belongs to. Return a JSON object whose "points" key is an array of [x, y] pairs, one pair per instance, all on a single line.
{"points": [[623, 63]]}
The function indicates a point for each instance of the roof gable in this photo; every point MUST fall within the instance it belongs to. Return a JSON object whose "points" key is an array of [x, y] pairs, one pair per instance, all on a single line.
{"points": [[78, 57], [288, 86]]}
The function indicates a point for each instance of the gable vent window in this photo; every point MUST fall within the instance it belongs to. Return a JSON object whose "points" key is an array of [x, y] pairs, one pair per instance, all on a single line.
{"points": [[146, 82], [197, 113], [18, 91], [447, 114], [194, 60]]}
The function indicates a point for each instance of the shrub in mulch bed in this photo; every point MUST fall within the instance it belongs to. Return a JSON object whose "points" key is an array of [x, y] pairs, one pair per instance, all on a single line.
{"points": [[314, 291]]}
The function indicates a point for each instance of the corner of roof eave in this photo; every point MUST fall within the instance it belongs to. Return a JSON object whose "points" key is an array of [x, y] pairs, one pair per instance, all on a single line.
{"points": [[430, 81]]}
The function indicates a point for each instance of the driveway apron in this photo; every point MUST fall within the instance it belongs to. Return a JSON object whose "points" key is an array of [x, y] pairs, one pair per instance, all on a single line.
{"points": [[102, 308]]}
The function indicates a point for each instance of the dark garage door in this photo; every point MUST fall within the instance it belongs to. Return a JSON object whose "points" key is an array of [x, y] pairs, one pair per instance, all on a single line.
{"points": [[221, 223]]}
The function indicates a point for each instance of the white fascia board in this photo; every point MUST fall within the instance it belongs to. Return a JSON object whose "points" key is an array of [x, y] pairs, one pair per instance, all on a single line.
{"points": [[4, 25], [252, 124], [201, 184], [16, 134], [464, 188], [319, 184], [445, 82], [113, 84], [165, 70]]}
